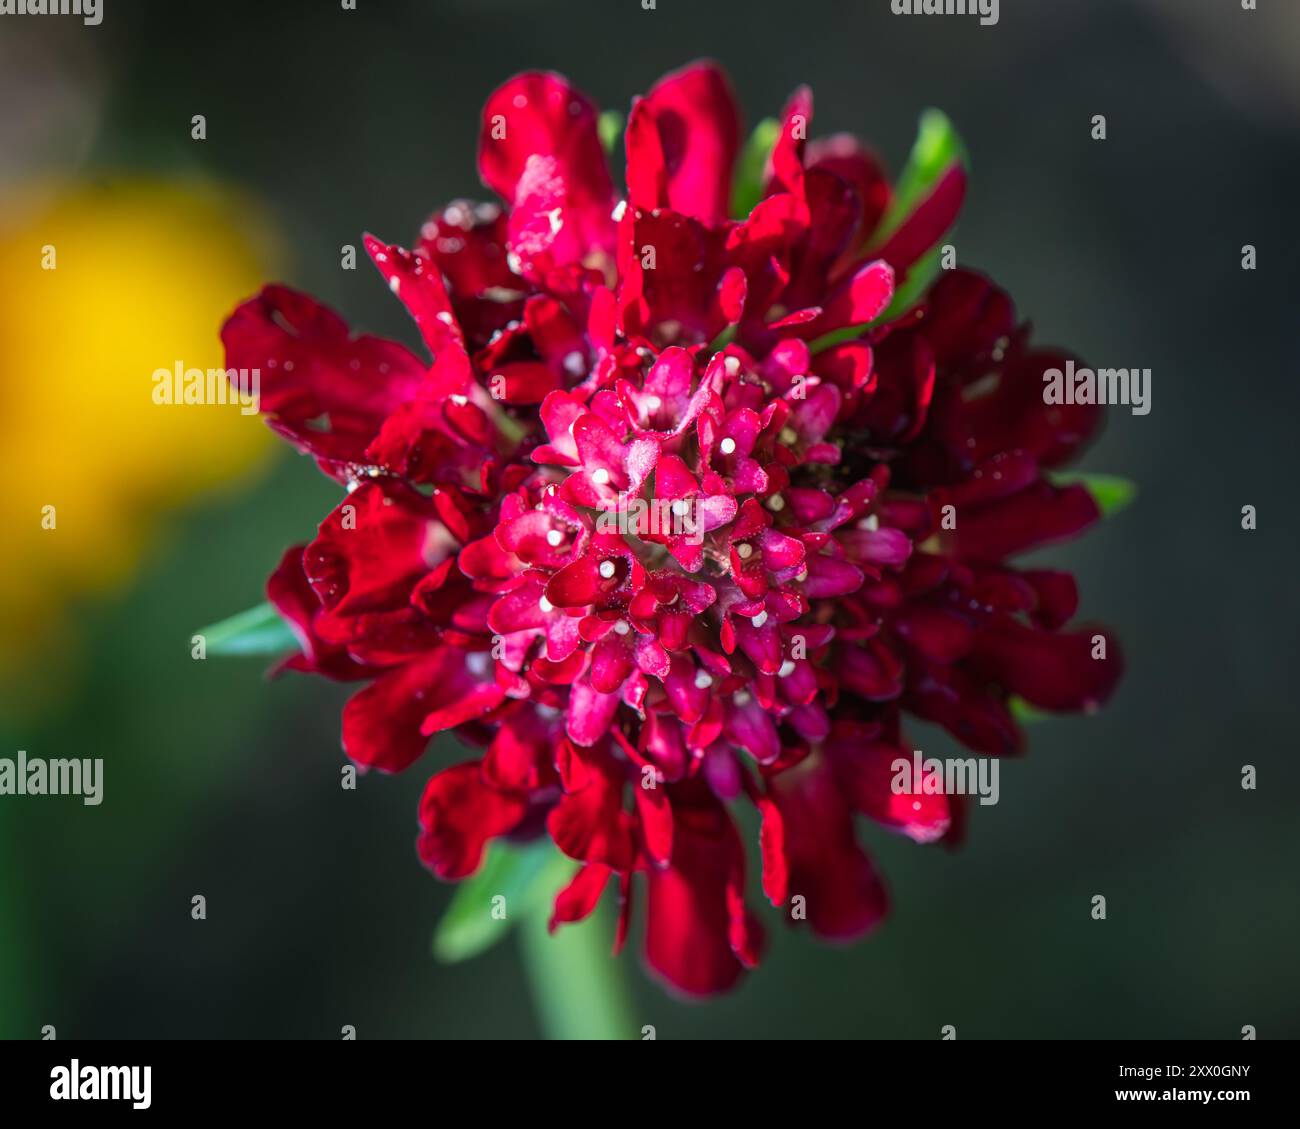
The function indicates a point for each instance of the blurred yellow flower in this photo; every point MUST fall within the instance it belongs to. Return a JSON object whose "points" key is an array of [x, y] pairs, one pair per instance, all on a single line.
{"points": [[100, 286]]}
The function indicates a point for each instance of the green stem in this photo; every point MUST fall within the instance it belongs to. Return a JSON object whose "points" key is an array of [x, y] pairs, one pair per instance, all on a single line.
{"points": [[577, 985]]}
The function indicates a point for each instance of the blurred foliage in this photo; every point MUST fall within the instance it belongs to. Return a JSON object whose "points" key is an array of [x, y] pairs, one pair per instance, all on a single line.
{"points": [[105, 283]]}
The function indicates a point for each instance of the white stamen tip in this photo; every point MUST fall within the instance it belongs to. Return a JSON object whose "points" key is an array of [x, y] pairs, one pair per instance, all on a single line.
{"points": [[621, 627], [545, 605], [606, 569], [600, 476], [732, 365], [554, 537], [759, 619], [776, 503], [787, 669], [727, 446], [703, 680], [744, 552]]}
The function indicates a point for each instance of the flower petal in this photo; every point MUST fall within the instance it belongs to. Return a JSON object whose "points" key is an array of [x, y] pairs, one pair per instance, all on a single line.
{"points": [[682, 142], [458, 815]]}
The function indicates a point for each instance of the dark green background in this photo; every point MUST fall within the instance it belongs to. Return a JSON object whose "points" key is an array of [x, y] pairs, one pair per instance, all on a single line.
{"points": [[1127, 252]]}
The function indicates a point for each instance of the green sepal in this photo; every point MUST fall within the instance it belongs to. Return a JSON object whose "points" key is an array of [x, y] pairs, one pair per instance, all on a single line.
{"points": [[1025, 714], [257, 631], [936, 149], [1111, 492], [751, 172], [609, 126]]}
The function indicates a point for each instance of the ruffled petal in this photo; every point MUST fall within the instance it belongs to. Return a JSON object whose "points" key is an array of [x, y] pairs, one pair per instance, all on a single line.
{"points": [[459, 814], [842, 895], [689, 926], [324, 390], [682, 142]]}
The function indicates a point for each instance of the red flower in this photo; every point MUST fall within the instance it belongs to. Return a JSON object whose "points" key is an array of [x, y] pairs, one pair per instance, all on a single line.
{"points": [[648, 574]]}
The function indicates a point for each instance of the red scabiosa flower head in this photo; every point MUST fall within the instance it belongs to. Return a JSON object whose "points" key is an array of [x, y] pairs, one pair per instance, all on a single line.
{"points": [[680, 511]]}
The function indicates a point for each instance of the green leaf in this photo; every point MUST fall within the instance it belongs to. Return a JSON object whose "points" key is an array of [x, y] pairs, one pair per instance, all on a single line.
{"points": [[526, 877], [936, 149], [258, 631], [1111, 492], [748, 189], [610, 128]]}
